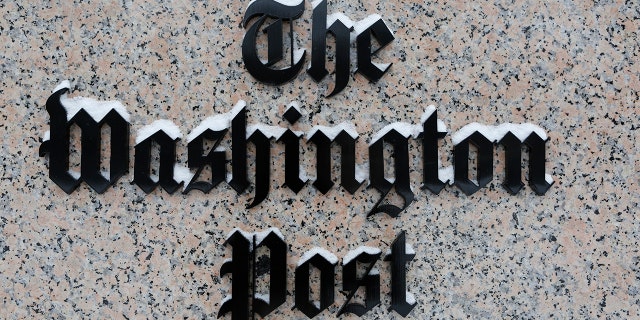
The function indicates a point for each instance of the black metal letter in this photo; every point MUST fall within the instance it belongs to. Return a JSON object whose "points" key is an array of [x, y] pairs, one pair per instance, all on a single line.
{"points": [[380, 32], [484, 163], [142, 165], [430, 137], [348, 162], [58, 146], [537, 159], [292, 161], [238, 267], [323, 161], [239, 180], [215, 159], [351, 283], [263, 166], [281, 12], [342, 36], [513, 161], [399, 258], [401, 164], [327, 282], [277, 274], [347, 143]]}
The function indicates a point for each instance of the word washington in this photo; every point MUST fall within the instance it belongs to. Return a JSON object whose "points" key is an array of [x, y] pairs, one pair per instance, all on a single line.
{"points": [[91, 115]]}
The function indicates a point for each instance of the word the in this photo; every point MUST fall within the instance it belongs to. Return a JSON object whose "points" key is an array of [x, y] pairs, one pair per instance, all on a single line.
{"points": [[336, 24]]}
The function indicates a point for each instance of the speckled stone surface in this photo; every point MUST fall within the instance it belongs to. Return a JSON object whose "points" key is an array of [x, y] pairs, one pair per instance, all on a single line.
{"points": [[569, 67]]}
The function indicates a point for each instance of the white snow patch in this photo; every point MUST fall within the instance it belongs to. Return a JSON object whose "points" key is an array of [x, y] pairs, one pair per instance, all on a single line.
{"points": [[408, 249], [548, 178], [165, 125], [215, 123], [441, 126], [74, 174], [322, 252], [358, 251], [333, 132], [246, 235], [381, 66], [362, 25], [362, 173], [295, 105], [269, 131], [260, 236], [62, 85], [263, 297], [182, 174], [374, 271], [339, 16], [446, 175], [218, 122], [241, 104], [405, 129], [96, 109], [226, 298], [47, 136], [297, 55], [427, 113], [495, 133], [411, 299], [289, 3], [316, 3]]}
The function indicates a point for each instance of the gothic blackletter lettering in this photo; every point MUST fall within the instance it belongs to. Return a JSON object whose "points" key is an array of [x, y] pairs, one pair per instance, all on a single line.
{"points": [[326, 264], [484, 162], [277, 273], [262, 71], [262, 166], [57, 147], [348, 178], [537, 159], [142, 163], [370, 280], [383, 35], [239, 180], [513, 161], [341, 33], [430, 164], [238, 267], [401, 300], [401, 165], [214, 159], [292, 161]]}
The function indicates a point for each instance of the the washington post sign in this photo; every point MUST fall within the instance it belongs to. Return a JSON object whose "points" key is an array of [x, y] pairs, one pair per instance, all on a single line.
{"points": [[260, 253]]}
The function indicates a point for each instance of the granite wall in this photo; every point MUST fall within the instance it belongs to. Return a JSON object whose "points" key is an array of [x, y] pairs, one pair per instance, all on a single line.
{"points": [[568, 67]]}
